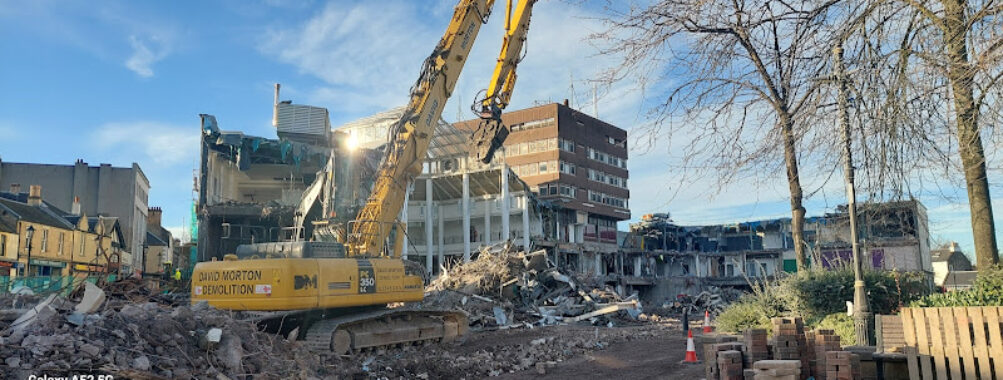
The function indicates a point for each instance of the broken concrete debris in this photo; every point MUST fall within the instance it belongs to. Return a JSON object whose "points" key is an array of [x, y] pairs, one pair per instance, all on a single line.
{"points": [[93, 297], [503, 288], [128, 336], [712, 299]]}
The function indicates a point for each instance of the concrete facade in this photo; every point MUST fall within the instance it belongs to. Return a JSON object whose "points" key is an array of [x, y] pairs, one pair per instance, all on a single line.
{"points": [[574, 160], [101, 190]]}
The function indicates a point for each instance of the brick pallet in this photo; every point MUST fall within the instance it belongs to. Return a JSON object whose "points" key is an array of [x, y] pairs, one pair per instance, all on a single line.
{"points": [[756, 346], [842, 365], [711, 351], [729, 365], [825, 341], [777, 370], [789, 341]]}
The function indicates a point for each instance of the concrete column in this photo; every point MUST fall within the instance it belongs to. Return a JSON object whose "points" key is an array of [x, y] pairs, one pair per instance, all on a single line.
{"points": [[525, 221], [637, 265], [598, 259], [465, 205], [442, 236], [428, 225], [558, 234], [505, 203], [403, 220], [487, 221]]}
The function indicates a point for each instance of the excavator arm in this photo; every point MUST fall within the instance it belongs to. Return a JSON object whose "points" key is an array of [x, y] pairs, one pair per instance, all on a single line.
{"points": [[411, 135], [491, 133]]}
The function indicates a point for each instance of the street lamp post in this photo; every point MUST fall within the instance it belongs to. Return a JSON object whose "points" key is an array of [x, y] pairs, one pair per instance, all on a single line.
{"points": [[861, 310], [30, 232]]}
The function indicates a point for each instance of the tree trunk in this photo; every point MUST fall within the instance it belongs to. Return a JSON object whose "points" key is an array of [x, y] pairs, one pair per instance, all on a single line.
{"points": [[794, 182], [962, 76]]}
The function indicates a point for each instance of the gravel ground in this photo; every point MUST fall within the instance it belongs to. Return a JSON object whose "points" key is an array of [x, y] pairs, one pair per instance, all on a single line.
{"points": [[641, 351]]}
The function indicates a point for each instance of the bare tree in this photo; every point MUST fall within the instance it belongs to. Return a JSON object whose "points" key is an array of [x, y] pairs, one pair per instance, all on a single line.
{"points": [[740, 78], [972, 45], [933, 78]]}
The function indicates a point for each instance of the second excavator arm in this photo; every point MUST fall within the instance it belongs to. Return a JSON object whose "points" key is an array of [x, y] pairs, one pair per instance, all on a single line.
{"points": [[491, 133], [411, 135]]}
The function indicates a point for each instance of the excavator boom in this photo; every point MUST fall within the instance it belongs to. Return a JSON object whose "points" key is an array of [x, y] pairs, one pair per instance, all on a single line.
{"points": [[491, 134], [412, 134]]}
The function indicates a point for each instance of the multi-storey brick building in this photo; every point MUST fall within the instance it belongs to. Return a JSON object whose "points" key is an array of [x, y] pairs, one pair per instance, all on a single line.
{"points": [[574, 160]]}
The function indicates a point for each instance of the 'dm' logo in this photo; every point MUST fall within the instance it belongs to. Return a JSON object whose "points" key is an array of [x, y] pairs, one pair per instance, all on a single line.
{"points": [[304, 282]]}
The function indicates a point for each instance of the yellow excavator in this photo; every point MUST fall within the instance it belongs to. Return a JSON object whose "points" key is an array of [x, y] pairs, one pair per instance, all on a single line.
{"points": [[333, 293]]}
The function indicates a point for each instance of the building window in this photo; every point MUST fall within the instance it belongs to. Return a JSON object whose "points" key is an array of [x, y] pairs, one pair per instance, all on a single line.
{"points": [[3, 245], [568, 191], [61, 243], [567, 168], [45, 240], [83, 240], [543, 167], [566, 145]]}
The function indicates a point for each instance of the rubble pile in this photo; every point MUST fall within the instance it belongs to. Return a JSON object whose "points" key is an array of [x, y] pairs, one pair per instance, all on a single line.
{"points": [[120, 334], [713, 299], [504, 288]]}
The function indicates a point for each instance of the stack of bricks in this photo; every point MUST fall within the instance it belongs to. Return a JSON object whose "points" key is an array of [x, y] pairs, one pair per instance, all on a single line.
{"points": [[777, 370], [825, 341], [808, 354], [711, 352], [842, 365], [756, 347], [729, 364], [788, 338]]}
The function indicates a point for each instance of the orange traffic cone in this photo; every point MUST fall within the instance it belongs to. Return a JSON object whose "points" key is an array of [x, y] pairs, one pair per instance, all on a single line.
{"points": [[691, 351], [707, 329]]}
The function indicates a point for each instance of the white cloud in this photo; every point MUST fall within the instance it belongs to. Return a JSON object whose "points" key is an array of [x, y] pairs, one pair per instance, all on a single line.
{"points": [[161, 143], [144, 55], [367, 54]]}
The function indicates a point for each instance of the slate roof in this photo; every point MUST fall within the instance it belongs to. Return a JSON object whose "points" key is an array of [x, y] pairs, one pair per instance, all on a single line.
{"points": [[7, 224], [154, 241], [44, 214]]}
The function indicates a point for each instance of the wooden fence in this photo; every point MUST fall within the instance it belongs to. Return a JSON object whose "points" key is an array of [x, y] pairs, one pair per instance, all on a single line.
{"points": [[953, 342]]}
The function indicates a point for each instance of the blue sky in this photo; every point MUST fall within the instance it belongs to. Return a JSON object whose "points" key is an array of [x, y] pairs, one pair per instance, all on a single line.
{"points": [[123, 81]]}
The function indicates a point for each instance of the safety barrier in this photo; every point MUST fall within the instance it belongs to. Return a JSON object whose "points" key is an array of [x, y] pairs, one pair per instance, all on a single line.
{"points": [[46, 284]]}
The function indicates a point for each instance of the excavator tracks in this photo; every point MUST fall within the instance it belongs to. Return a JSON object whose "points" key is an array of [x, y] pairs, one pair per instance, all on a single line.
{"points": [[355, 332]]}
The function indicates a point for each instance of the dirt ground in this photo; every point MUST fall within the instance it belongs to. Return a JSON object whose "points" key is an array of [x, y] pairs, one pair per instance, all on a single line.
{"points": [[641, 351], [655, 356]]}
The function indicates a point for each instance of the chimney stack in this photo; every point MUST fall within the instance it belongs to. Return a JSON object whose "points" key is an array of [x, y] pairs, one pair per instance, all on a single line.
{"points": [[35, 195], [566, 102], [75, 210], [15, 188], [153, 217], [275, 107]]}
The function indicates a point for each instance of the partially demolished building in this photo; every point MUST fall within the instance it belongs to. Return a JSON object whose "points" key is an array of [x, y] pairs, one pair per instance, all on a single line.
{"points": [[662, 258], [250, 187]]}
